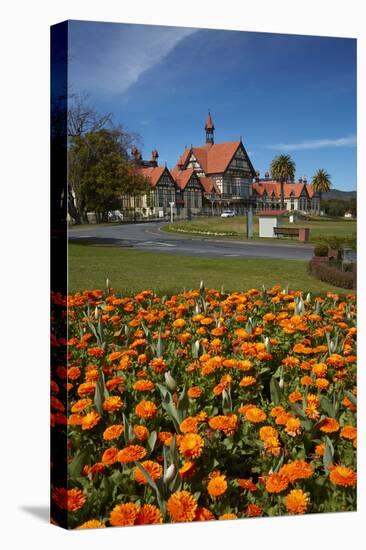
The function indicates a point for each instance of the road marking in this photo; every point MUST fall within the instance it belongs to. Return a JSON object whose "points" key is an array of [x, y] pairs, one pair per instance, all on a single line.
{"points": [[231, 255], [156, 243]]}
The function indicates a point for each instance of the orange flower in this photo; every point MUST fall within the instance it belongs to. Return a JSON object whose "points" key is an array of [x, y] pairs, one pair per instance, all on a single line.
{"points": [[113, 432], [191, 446], [91, 524], [154, 470], [228, 516], [124, 514], [203, 514], [217, 486], [181, 506], [253, 511], [189, 425], [276, 483], [322, 383], [343, 476], [267, 432], [194, 392], [141, 432], [329, 425], [246, 484], [73, 373], [227, 423], [254, 414], [95, 352], [298, 469], [295, 396], [148, 515], [110, 456], [320, 449], [306, 381], [80, 405], [112, 404], [143, 385], [247, 381], [75, 420], [187, 469], [68, 499], [293, 426], [86, 388], [349, 432], [296, 502], [131, 453], [90, 420], [146, 409]]}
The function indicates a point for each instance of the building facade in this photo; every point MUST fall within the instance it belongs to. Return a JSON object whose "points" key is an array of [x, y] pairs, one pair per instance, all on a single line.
{"points": [[210, 178], [298, 197]]}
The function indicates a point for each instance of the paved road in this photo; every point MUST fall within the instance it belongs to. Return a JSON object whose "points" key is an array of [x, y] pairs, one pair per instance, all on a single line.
{"points": [[147, 236]]}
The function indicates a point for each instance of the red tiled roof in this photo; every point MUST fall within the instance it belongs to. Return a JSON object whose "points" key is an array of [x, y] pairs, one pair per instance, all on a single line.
{"points": [[209, 186], [152, 173], [184, 157], [213, 158], [271, 212], [182, 177], [209, 124], [274, 187]]}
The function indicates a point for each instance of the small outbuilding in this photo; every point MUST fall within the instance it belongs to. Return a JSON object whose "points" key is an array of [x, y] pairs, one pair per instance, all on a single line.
{"points": [[268, 220]]}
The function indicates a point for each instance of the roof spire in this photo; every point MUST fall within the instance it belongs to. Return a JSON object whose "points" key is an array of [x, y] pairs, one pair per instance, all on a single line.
{"points": [[209, 127]]}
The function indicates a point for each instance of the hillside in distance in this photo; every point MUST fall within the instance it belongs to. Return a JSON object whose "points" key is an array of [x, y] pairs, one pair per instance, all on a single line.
{"points": [[339, 195]]}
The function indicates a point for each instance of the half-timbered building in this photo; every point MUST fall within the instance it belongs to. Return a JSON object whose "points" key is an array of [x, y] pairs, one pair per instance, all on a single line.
{"points": [[299, 196], [227, 165]]}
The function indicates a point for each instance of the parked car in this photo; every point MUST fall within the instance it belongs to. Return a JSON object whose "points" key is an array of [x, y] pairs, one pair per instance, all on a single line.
{"points": [[228, 214]]}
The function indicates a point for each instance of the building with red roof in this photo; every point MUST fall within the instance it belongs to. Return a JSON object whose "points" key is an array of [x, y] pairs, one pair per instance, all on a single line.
{"points": [[224, 169], [299, 196]]}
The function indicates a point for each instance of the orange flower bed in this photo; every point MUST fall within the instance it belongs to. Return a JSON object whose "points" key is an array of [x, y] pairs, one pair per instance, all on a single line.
{"points": [[204, 406]]}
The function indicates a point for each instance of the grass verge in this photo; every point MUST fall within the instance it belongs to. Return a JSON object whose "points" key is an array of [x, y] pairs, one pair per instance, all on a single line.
{"points": [[130, 271]]}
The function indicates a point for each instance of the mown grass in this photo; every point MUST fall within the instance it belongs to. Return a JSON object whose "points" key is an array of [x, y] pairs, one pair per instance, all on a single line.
{"points": [[130, 271], [319, 227]]}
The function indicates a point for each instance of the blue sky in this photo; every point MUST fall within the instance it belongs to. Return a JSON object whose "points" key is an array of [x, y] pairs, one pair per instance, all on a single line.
{"points": [[282, 93]]}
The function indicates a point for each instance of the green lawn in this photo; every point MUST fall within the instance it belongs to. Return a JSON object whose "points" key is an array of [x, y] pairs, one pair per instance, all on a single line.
{"points": [[130, 271], [319, 227]]}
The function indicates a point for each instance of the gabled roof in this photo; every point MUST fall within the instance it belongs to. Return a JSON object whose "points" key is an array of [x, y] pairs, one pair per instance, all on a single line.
{"points": [[209, 186], [153, 173], [213, 158], [182, 177], [274, 187]]}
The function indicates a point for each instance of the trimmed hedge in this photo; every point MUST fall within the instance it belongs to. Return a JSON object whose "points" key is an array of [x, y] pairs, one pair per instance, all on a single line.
{"points": [[329, 274], [321, 250]]}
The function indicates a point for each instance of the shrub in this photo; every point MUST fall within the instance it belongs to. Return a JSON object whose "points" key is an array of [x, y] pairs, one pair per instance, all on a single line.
{"points": [[330, 274], [321, 249]]}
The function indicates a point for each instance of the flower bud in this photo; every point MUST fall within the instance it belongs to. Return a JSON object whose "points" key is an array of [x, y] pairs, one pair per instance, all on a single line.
{"points": [[96, 312], [170, 382], [169, 474]]}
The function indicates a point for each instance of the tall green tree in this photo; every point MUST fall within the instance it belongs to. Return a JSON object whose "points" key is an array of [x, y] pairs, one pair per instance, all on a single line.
{"points": [[283, 169], [100, 173], [321, 182]]}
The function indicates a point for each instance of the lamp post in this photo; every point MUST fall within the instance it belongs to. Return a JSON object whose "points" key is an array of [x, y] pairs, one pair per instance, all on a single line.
{"points": [[171, 204]]}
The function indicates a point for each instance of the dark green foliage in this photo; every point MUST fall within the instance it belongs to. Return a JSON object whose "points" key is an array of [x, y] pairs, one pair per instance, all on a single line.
{"points": [[330, 274]]}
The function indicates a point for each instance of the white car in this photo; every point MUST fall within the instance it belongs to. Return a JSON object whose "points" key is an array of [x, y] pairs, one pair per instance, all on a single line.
{"points": [[228, 214]]}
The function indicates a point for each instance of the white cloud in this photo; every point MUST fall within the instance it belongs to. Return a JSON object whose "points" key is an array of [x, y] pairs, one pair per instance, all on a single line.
{"points": [[348, 141], [111, 58]]}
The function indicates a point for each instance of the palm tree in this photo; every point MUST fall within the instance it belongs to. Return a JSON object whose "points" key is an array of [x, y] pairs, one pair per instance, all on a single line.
{"points": [[283, 169], [321, 182]]}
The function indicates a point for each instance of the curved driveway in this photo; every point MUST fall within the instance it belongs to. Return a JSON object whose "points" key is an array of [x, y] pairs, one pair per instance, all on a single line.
{"points": [[147, 236]]}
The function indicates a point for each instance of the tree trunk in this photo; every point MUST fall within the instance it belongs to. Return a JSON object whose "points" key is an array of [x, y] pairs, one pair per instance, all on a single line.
{"points": [[282, 195]]}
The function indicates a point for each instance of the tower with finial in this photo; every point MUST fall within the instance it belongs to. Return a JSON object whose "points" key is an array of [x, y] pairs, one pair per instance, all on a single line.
{"points": [[210, 128], [154, 157]]}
